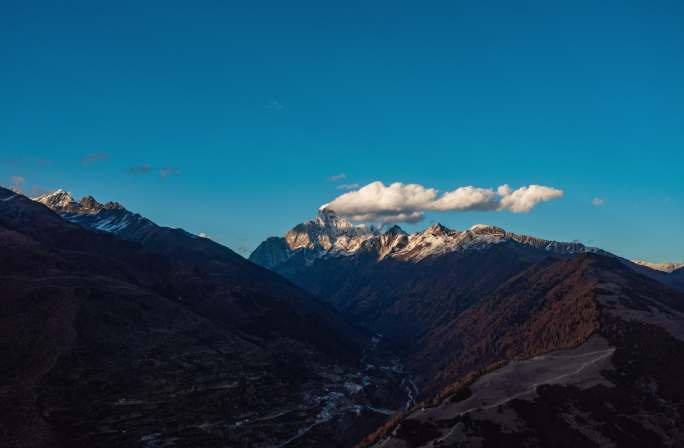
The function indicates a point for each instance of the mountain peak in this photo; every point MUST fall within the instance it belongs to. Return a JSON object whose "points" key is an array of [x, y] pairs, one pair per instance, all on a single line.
{"points": [[487, 228], [58, 199], [437, 229], [334, 235], [90, 204], [395, 230], [114, 205], [327, 218], [329, 232], [63, 202]]}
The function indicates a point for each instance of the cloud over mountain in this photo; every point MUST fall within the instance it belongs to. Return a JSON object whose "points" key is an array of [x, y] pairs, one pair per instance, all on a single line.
{"points": [[348, 186], [399, 202]]}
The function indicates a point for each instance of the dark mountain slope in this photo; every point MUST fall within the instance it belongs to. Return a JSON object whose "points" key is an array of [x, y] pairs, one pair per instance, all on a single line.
{"points": [[424, 290], [114, 219], [108, 343], [407, 300], [677, 279], [404, 286], [206, 276], [674, 278], [551, 306], [464, 303], [547, 307], [75, 343], [622, 389]]}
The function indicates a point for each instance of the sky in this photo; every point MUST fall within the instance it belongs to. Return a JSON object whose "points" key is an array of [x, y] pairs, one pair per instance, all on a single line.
{"points": [[241, 120]]}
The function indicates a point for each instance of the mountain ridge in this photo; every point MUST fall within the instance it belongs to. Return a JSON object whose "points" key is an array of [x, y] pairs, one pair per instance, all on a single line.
{"points": [[410, 287], [461, 306], [317, 238], [667, 267]]}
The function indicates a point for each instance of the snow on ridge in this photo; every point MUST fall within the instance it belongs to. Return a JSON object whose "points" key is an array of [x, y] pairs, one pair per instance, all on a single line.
{"points": [[57, 199], [666, 267], [331, 235], [479, 226]]}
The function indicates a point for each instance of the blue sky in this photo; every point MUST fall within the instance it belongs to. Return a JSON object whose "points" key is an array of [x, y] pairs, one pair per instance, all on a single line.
{"points": [[251, 109]]}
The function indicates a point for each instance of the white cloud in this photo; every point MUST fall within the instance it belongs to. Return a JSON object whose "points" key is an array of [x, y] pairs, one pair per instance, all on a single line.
{"points": [[337, 177], [466, 198], [598, 202], [400, 202], [348, 186], [388, 218], [525, 199]]}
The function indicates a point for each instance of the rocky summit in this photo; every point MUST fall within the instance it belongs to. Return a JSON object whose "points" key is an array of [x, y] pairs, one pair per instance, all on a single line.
{"points": [[330, 235]]}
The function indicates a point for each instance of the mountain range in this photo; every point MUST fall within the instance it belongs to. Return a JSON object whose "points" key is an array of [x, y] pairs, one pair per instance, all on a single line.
{"points": [[121, 332], [462, 305], [574, 352], [409, 287], [139, 335]]}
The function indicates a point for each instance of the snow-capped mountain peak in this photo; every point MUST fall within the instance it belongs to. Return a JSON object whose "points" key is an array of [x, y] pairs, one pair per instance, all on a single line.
{"points": [[64, 203], [395, 230], [438, 230], [487, 229], [329, 232], [110, 217], [328, 219], [332, 235], [58, 199]]}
